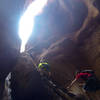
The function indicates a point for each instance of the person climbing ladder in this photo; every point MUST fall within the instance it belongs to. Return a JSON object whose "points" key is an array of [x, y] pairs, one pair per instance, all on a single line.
{"points": [[92, 84], [44, 68]]}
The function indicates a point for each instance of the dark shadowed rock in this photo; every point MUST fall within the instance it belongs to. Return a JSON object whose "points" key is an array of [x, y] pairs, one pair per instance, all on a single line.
{"points": [[26, 82], [80, 97]]}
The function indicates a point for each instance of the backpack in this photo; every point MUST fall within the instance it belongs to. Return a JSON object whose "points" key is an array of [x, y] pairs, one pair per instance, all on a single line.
{"points": [[88, 71], [84, 77]]}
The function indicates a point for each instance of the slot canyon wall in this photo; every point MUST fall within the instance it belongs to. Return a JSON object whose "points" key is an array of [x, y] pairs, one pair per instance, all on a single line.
{"points": [[66, 34]]}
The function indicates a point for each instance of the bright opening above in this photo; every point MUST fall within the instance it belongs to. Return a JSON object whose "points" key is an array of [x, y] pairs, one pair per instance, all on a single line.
{"points": [[26, 23]]}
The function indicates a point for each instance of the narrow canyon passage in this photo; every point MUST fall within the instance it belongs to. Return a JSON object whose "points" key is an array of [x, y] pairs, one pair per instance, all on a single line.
{"points": [[66, 33]]}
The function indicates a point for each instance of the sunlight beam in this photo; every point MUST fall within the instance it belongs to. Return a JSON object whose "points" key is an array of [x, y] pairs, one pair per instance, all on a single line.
{"points": [[26, 23]]}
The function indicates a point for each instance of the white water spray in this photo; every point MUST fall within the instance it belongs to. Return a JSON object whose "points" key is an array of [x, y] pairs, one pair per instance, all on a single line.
{"points": [[26, 23]]}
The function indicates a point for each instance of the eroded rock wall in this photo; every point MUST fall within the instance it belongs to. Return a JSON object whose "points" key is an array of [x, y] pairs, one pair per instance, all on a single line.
{"points": [[67, 35], [60, 31]]}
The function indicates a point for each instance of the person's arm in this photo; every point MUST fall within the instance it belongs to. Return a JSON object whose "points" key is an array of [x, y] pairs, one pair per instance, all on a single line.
{"points": [[72, 83]]}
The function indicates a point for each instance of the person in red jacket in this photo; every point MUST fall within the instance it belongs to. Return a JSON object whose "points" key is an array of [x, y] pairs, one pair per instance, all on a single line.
{"points": [[89, 78]]}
